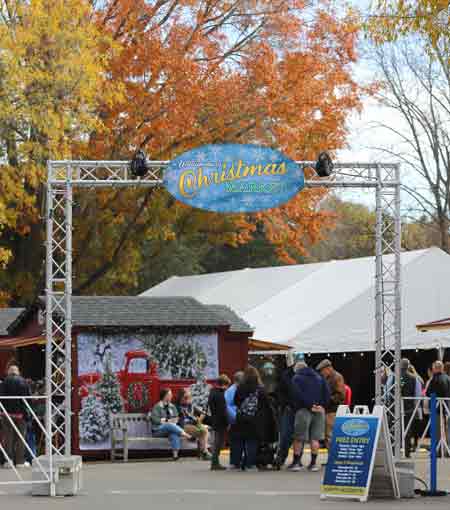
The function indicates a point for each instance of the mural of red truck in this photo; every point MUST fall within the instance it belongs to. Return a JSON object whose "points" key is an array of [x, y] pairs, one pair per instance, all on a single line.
{"points": [[139, 382]]}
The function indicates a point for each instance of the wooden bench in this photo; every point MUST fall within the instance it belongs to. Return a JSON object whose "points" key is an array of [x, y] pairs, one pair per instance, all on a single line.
{"points": [[123, 439]]}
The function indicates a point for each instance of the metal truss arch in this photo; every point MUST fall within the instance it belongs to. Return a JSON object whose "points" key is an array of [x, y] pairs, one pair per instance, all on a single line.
{"points": [[65, 176]]}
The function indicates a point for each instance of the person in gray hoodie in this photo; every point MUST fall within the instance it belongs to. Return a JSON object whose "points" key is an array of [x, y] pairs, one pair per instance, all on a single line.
{"points": [[310, 398]]}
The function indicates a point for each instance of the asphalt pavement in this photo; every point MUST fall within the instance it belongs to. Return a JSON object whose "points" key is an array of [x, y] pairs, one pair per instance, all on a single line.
{"points": [[189, 485]]}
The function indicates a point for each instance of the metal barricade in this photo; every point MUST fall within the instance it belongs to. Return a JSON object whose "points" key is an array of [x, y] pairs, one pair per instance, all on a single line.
{"points": [[13, 431], [421, 413]]}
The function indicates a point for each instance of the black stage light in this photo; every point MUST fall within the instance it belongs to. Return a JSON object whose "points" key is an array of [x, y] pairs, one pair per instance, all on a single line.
{"points": [[138, 165], [324, 165]]}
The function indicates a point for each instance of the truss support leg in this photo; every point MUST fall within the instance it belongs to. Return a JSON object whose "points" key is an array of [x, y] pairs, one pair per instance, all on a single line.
{"points": [[388, 304], [58, 313]]}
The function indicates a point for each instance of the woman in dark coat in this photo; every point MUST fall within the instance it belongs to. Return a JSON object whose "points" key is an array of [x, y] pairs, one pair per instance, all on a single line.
{"points": [[255, 421]]}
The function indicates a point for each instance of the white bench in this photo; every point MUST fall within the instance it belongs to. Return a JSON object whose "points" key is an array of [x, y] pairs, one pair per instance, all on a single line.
{"points": [[123, 438]]}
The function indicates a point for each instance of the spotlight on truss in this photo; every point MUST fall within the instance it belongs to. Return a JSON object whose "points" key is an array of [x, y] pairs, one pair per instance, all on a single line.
{"points": [[324, 165], [138, 165]]}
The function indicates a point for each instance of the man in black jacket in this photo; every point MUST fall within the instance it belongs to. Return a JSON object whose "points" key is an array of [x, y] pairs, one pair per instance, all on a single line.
{"points": [[219, 419], [440, 385], [408, 385], [286, 410], [440, 382], [14, 386]]}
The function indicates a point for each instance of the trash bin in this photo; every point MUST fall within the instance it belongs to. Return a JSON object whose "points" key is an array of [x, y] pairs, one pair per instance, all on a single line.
{"points": [[67, 475]]}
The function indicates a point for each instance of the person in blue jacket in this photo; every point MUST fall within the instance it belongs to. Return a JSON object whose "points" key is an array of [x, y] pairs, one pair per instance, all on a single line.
{"points": [[235, 461], [310, 397]]}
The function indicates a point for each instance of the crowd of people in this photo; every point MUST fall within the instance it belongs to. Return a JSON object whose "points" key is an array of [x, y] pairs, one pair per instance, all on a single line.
{"points": [[416, 409], [253, 421], [260, 428]]}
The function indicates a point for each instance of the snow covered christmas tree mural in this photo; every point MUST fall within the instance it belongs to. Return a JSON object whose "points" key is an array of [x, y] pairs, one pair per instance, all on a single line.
{"points": [[200, 393], [109, 388], [93, 420]]}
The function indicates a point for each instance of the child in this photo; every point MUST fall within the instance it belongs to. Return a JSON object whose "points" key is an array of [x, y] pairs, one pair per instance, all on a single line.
{"points": [[219, 420]]}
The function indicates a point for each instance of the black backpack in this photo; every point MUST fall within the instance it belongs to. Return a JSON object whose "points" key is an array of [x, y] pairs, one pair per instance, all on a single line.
{"points": [[248, 409]]}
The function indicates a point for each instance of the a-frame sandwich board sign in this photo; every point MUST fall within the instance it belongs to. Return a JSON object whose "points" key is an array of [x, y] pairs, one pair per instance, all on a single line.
{"points": [[360, 460]]}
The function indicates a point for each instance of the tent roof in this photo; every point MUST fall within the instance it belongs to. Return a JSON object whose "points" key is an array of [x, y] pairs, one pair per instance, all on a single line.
{"points": [[323, 307]]}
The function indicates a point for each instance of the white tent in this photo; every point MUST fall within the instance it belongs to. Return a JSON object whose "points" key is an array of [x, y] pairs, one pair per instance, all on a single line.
{"points": [[326, 307]]}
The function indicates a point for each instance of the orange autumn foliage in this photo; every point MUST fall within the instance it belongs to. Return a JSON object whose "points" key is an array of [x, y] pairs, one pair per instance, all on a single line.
{"points": [[276, 73], [172, 75]]}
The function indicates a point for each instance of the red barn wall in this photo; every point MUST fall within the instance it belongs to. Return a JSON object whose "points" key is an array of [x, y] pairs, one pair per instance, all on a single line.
{"points": [[233, 351]]}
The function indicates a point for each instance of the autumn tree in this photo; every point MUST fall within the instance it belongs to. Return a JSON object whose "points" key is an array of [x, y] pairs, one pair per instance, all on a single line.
{"points": [[352, 234], [267, 72], [51, 75], [164, 76], [416, 82], [396, 18]]}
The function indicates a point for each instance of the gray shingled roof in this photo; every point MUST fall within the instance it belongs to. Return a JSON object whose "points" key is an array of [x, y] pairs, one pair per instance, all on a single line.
{"points": [[143, 311], [7, 317], [236, 323]]}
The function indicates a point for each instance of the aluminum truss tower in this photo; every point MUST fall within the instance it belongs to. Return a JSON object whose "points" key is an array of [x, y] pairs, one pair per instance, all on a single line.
{"points": [[66, 176]]}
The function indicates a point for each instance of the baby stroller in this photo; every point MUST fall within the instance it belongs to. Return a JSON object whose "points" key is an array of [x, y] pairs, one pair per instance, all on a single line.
{"points": [[268, 444]]}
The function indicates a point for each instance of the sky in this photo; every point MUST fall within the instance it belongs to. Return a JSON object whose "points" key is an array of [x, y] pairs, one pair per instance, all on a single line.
{"points": [[366, 136]]}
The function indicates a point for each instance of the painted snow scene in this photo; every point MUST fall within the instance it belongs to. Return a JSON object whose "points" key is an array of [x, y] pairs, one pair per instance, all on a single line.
{"points": [[123, 372]]}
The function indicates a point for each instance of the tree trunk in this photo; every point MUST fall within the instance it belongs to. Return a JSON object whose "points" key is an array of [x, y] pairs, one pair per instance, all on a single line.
{"points": [[444, 233]]}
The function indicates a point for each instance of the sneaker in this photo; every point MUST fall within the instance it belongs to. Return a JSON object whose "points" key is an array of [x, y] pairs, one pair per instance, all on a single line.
{"points": [[218, 467], [252, 469], [21, 465], [296, 467], [231, 467], [313, 467], [205, 456]]}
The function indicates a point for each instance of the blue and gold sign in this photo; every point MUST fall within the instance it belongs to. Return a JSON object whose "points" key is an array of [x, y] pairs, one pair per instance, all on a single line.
{"points": [[233, 178]]}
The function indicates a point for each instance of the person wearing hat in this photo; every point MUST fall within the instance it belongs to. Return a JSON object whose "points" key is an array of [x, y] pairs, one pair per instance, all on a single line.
{"points": [[286, 409], [336, 385], [311, 397]]}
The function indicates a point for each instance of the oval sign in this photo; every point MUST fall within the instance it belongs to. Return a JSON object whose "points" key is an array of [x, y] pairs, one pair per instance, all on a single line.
{"points": [[233, 178], [355, 428]]}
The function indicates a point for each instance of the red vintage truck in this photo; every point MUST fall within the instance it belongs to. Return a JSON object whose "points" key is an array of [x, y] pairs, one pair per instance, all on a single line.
{"points": [[139, 382]]}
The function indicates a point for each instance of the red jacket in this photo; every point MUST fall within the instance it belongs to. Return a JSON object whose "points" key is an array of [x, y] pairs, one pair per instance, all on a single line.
{"points": [[348, 396]]}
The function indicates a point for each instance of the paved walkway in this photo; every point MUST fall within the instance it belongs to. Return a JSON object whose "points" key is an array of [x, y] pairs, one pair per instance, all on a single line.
{"points": [[188, 484]]}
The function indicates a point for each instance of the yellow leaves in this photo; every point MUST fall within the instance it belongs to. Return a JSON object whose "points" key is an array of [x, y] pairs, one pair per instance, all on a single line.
{"points": [[394, 18], [54, 72]]}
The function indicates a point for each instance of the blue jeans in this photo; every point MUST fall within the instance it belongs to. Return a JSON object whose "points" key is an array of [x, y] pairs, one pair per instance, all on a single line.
{"points": [[286, 434], [172, 431], [31, 441], [247, 451]]}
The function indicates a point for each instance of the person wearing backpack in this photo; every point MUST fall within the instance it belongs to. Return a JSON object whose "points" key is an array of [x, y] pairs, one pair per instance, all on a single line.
{"points": [[219, 420], [311, 397], [252, 415]]}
